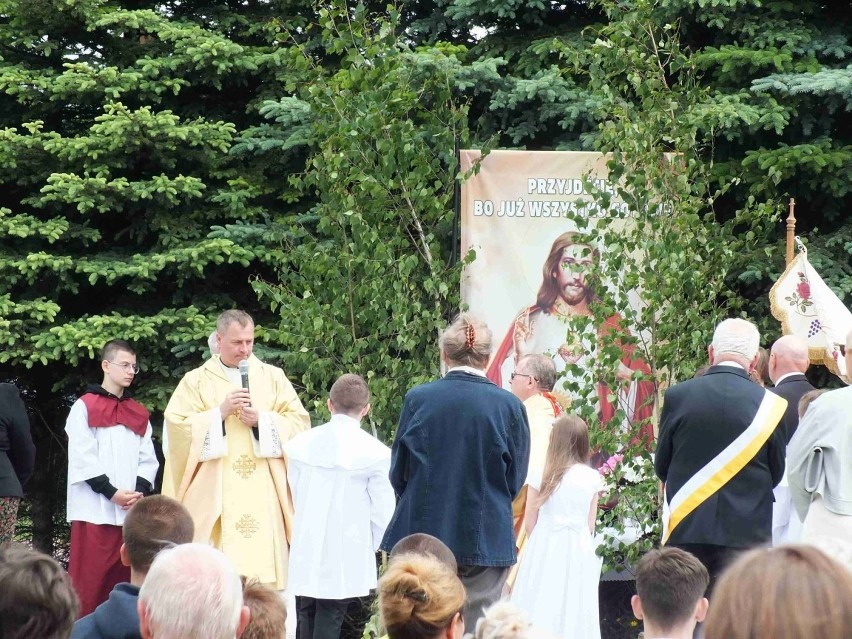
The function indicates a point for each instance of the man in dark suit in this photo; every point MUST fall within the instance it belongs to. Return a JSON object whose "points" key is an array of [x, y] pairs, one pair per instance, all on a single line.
{"points": [[788, 362], [17, 457], [720, 453]]}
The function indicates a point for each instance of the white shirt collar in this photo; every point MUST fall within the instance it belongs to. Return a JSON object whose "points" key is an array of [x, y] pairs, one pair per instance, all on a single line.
{"points": [[468, 369], [786, 375], [344, 420], [734, 364]]}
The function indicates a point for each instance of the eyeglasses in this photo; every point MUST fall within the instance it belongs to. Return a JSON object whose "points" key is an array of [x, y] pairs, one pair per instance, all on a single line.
{"points": [[127, 366], [514, 375]]}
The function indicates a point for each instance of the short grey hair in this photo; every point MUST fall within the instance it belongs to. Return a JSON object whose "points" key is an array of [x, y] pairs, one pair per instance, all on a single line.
{"points": [[542, 368], [229, 317], [192, 592], [735, 336]]}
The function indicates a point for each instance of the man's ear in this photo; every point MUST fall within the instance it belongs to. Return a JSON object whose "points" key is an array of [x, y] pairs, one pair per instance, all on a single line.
{"points": [[710, 354], [636, 604], [144, 628], [122, 555], [701, 609], [245, 617], [365, 410], [752, 365], [330, 406]]}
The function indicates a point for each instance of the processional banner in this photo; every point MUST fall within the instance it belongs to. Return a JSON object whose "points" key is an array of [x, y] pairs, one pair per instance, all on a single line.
{"points": [[807, 307]]}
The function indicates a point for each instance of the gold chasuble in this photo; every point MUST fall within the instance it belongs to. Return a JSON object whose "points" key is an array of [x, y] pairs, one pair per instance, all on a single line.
{"points": [[235, 485]]}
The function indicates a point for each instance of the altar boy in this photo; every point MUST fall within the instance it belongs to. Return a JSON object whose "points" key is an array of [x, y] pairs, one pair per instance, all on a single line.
{"points": [[343, 502], [111, 465]]}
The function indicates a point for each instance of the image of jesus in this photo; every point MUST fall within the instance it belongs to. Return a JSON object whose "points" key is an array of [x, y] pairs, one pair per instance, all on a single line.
{"points": [[566, 291]]}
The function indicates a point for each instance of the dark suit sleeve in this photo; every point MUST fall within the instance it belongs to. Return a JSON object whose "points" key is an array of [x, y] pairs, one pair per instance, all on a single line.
{"points": [[398, 474], [777, 453], [21, 448], [663, 456], [519, 451]]}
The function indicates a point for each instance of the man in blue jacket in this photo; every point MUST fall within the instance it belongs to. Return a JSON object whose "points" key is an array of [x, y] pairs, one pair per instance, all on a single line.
{"points": [[152, 524]]}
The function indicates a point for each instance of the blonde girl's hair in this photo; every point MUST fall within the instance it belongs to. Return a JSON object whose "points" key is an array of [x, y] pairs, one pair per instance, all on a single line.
{"points": [[569, 445], [418, 597], [466, 342]]}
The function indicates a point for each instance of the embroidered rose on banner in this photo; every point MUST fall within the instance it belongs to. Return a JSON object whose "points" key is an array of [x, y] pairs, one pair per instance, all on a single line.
{"points": [[801, 297]]}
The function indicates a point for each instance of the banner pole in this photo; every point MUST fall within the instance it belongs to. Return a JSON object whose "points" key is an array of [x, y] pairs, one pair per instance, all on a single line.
{"points": [[455, 253], [791, 233]]}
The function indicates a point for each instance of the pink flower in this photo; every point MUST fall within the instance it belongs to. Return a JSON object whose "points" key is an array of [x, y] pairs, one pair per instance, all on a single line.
{"points": [[610, 464], [804, 290]]}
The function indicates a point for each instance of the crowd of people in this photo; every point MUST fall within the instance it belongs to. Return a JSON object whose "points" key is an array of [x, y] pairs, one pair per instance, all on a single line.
{"points": [[260, 512]]}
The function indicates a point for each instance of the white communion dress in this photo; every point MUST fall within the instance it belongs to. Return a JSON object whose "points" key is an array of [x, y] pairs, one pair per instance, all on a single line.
{"points": [[557, 583]]}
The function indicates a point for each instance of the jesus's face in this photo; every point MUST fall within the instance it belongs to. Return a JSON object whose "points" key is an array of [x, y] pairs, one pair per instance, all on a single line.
{"points": [[570, 273]]}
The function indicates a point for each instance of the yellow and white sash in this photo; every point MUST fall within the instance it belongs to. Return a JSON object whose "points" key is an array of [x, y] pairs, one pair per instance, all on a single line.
{"points": [[719, 470]]}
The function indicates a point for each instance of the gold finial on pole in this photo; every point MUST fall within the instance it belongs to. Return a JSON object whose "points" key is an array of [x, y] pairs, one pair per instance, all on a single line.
{"points": [[791, 232]]}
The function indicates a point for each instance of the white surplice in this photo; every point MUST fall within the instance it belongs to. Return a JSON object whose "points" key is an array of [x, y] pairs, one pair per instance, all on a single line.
{"points": [[343, 502], [116, 452]]}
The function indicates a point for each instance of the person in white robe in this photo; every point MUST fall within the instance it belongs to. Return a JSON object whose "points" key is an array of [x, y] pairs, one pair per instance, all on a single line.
{"points": [[343, 501], [225, 459], [111, 465]]}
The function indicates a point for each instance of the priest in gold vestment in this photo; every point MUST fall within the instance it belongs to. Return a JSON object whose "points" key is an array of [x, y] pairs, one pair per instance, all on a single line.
{"points": [[224, 453]]}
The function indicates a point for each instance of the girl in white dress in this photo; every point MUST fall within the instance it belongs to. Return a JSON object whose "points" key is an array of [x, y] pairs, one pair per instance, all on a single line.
{"points": [[558, 577]]}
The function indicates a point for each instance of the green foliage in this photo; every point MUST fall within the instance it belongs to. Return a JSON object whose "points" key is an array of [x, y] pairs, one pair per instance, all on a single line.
{"points": [[123, 212], [366, 279]]}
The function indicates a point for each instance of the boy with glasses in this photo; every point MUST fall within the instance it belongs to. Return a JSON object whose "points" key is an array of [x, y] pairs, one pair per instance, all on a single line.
{"points": [[111, 466]]}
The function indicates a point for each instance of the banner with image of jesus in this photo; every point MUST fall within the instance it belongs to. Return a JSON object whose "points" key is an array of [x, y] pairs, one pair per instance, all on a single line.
{"points": [[533, 268]]}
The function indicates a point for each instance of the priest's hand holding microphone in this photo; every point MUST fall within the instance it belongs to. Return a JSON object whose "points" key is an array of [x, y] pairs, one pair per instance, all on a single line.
{"points": [[238, 402]]}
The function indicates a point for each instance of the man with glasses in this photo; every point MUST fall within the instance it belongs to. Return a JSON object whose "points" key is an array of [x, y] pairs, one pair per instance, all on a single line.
{"points": [[532, 382], [111, 466]]}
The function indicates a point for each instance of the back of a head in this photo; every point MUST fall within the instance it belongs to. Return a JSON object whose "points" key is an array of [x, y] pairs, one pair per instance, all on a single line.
{"points": [[268, 612], [789, 592], [152, 524], [543, 370], [466, 342], [569, 445], [191, 592], [807, 399], [735, 337], [503, 620], [419, 597], [670, 582], [425, 544], [349, 394], [36, 596]]}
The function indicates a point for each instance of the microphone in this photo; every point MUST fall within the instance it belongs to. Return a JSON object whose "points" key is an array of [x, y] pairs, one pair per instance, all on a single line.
{"points": [[244, 366]]}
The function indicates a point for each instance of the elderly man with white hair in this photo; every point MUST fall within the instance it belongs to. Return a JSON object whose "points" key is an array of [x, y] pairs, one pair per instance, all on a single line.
{"points": [[191, 592], [720, 453]]}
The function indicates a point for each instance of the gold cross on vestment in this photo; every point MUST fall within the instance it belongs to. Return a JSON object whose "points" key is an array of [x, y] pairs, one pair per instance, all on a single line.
{"points": [[247, 526], [244, 466]]}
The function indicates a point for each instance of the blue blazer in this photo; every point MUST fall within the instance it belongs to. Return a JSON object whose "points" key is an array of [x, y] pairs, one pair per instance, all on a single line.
{"points": [[459, 458]]}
